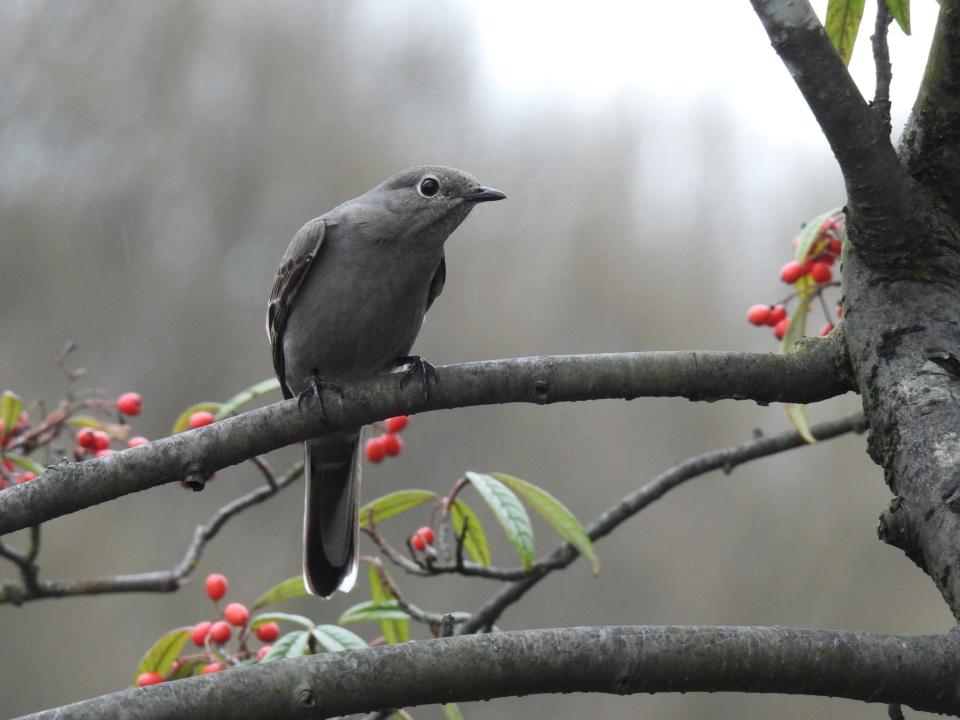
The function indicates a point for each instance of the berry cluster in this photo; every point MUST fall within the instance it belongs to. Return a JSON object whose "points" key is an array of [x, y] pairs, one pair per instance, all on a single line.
{"points": [[96, 442], [213, 635], [422, 538], [388, 443], [817, 249]]}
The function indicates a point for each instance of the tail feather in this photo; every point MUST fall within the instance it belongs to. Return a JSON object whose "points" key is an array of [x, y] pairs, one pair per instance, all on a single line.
{"points": [[330, 524]]}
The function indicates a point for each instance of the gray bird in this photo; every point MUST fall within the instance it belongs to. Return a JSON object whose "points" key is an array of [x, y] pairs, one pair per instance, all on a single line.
{"points": [[347, 302]]}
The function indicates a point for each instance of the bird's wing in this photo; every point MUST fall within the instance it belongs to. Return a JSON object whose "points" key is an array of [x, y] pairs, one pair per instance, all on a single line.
{"points": [[293, 269], [436, 285]]}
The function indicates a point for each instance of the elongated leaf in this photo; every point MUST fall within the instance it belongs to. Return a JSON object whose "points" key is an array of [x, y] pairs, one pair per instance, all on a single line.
{"points": [[335, 639], [797, 414], [509, 511], [292, 645], [183, 422], [24, 462], [452, 712], [810, 235], [287, 590], [798, 321], [555, 513], [900, 9], [245, 396], [842, 25], [189, 668], [475, 539], [282, 617], [160, 656], [10, 407], [87, 421], [393, 504], [373, 610], [394, 631]]}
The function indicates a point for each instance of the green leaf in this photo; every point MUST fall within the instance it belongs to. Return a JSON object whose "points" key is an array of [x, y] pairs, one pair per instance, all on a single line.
{"points": [[287, 590], [282, 617], [87, 421], [509, 511], [798, 321], [183, 422], [555, 513], [810, 235], [475, 540], [452, 712], [797, 414], [900, 9], [10, 407], [842, 25], [24, 462], [393, 504], [337, 639], [292, 645], [160, 656], [373, 610], [231, 406], [189, 668], [394, 631]]}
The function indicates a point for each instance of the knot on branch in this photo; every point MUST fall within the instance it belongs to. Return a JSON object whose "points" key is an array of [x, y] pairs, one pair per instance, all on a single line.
{"points": [[896, 529], [196, 477]]}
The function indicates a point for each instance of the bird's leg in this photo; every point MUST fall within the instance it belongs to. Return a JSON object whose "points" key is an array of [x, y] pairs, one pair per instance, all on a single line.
{"points": [[315, 385], [416, 365]]}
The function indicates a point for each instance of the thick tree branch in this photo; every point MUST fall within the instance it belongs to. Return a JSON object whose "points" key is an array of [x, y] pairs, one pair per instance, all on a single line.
{"points": [[874, 177], [917, 671], [817, 371], [931, 139], [725, 459], [33, 588]]}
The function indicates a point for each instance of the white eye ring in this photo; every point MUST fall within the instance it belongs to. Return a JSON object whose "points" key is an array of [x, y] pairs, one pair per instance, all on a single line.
{"points": [[429, 186]]}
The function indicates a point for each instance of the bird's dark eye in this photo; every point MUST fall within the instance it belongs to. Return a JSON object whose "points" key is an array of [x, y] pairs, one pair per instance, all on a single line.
{"points": [[429, 187]]}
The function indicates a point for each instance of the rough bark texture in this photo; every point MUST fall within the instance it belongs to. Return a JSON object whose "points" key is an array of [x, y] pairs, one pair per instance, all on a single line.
{"points": [[917, 671], [818, 372], [901, 276]]}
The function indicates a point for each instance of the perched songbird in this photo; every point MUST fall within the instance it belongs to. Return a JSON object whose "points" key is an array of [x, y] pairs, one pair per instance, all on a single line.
{"points": [[347, 303]]}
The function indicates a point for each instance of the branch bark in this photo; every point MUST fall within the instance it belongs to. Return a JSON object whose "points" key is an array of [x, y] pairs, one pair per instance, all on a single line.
{"points": [[816, 372], [917, 671]]}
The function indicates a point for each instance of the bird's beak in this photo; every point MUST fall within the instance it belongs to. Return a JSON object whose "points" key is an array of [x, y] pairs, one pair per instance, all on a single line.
{"points": [[484, 194]]}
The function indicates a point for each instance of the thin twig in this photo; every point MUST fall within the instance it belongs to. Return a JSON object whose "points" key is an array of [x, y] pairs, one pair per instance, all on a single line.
{"points": [[725, 459], [881, 59]]}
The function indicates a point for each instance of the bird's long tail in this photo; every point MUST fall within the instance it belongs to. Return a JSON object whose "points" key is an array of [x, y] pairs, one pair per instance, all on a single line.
{"points": [[330, 523]]}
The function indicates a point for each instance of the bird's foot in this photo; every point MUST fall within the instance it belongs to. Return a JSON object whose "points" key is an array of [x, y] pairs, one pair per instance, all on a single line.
{"points": [[315, 385], [416, 365]]}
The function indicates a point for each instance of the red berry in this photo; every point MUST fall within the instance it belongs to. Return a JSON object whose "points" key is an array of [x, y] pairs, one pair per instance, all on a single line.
{"points": [[792, 271], [137, 441], [201, 418], [268, 632], [237, 614], [212, 668], [777, 313], [392, 444], [86, 439], [149, 678], [104, 452], [759, 314], [216, 586], [826, 329], [262, 652], [398, 423], [821, 272], [101, 441], [8, 464], [427, 534], [839, 310], [200, 632], [375, 449], [220, 632], [26, 477], [176, 665], [130, 403], [780, 329], [834, 245], [418, 542]]}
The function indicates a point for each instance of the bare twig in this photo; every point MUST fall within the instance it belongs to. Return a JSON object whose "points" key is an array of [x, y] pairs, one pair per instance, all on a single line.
{"points": [[725, 459], [881, 59]]}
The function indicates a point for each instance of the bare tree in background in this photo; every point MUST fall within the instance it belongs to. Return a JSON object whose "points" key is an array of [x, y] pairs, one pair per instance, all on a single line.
{"points": [[897, 347]]}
